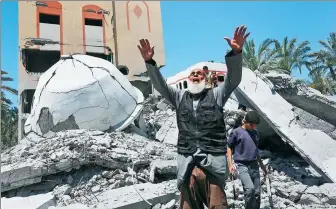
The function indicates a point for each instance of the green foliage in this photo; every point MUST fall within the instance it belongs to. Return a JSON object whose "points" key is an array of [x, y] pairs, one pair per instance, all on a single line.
{"points": [[263, 59], [290, 55], [9, 126], [325, 59], [9, 115]]}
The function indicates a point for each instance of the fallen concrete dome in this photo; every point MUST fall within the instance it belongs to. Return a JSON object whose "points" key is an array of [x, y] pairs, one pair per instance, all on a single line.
{"points": [[83, 92]]}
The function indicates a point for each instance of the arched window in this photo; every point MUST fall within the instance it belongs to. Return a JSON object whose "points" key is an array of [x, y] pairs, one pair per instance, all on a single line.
{"points": [[180, 85], [49, 24], [93, 31], [177, 86], [48, 27], [185, 84]]}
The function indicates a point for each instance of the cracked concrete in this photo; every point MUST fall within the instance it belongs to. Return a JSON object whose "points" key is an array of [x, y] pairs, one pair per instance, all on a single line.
{"points": [[308, 99], [42, 201], [83, 92], [279, 114], [46, 122], [62, 152], [128, 198], [90, 169]]}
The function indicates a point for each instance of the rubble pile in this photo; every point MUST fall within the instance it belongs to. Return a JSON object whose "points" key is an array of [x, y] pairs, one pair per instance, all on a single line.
{"points": [[233, 118], [86, 169], [295, 185], [109, 160], [156, 112]]}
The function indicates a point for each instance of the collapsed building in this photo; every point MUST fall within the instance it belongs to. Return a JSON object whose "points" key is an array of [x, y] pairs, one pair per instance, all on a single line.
{"points": [[101, 98], [70, 164], [107, 30]]}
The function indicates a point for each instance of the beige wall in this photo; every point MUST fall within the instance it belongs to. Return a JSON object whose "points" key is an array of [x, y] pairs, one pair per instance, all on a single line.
{"points": [[128, 37], [27, 29], [73, 24], [123, 29], [72, 32]]}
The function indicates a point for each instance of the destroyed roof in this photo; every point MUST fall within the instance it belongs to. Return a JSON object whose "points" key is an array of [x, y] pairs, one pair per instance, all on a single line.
{"points": [[82, 91]]}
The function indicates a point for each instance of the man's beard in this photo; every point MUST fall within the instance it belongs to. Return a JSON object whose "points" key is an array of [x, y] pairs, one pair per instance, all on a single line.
{"points": [[196, 88]]}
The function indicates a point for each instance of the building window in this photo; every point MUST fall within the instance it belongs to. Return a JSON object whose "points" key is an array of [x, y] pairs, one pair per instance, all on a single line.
{"points": [[27, 100], [93, 22], [39, 61], [94, 30], [49, 21], [176, 86], [185, 84], [180, 85], [107, 57]]}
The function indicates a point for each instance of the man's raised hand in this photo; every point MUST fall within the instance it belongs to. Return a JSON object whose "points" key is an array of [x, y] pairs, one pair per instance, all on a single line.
{"points": [[147, 52], [238, 40]]}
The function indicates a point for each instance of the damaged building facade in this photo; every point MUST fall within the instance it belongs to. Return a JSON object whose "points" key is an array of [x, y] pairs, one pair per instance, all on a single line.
{"points": [[104, 29]]}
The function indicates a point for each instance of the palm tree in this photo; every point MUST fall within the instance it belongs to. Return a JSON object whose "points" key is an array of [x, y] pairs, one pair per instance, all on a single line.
{"points": [[319, 81], [9, 115], [262, 60], [4, 100], [292, 55], [4, 87], [326, 57], [9, 123]]}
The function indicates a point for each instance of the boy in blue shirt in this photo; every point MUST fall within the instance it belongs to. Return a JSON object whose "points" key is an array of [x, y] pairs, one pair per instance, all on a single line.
{"points": [[243, 143]]}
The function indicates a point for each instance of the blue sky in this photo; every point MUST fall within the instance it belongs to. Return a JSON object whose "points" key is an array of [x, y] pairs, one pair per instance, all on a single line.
{"points": [[194, 31]]}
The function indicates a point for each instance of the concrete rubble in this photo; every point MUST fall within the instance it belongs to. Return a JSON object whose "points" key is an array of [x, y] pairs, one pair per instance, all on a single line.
{"points": [[278, 113], [41, 201], [299, 94], [27, 163], [86, 169], [136, 167]]}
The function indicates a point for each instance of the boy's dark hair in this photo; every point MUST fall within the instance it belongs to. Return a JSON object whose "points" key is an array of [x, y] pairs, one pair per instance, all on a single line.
{"points": [[252, 117], [205, 68], [242, 107]]}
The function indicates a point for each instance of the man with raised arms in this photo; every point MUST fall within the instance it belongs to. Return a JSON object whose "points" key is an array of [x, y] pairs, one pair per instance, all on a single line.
{"points": [[202, 164]]}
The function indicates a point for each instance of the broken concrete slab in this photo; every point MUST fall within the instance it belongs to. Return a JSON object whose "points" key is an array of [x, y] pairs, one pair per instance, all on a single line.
{"points": [[168, 133], [83, 92], [163, 104], [140, 123], [41, 201], [310, 121], [297, 93], [279, 114], [73, 149], [324, 191], [162, 167], [289, 173], [136, 196], [72, 206]]}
